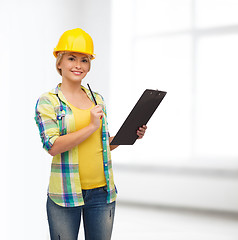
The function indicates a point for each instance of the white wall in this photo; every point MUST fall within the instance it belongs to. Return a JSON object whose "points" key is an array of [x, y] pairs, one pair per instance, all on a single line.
{"points": [[188, 157], [29, 32]]}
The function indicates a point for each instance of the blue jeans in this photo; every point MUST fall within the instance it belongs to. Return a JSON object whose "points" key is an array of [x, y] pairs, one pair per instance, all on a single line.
{"points": [[97, 216]]}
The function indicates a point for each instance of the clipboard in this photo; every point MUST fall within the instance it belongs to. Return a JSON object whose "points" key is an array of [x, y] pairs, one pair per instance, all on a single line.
{"points": [[139, 116]]}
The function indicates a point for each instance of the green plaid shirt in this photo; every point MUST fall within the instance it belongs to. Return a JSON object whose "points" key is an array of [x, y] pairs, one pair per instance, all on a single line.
{"points": [[54, 118]]}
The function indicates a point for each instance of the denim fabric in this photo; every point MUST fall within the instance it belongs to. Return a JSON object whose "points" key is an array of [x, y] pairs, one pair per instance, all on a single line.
{"points": [[97, 216]]}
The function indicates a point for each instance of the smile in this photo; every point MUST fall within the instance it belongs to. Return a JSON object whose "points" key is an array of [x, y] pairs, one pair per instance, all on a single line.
{"points": [[77, 73]]}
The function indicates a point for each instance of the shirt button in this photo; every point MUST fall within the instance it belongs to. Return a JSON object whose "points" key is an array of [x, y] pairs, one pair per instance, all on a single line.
{"points": [[105, 150], [105, 164], [104, 138]]}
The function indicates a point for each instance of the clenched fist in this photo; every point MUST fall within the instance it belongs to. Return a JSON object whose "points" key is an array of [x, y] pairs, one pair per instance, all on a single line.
{"points": [[96, 115]]}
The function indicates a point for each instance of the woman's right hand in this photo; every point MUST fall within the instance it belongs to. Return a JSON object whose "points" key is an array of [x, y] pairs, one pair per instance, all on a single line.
{"points": [[96, 115]]}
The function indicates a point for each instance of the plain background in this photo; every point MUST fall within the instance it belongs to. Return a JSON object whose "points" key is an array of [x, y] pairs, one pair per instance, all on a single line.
{"points": [[188, 158]]}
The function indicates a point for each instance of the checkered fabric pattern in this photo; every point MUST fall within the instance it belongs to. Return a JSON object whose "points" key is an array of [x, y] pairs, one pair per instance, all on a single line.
{"points": [[54, 118]]}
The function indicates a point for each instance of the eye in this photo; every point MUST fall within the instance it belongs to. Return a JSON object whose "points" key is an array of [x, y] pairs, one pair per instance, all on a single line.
{"points": [[85, 60], [71, 58]]}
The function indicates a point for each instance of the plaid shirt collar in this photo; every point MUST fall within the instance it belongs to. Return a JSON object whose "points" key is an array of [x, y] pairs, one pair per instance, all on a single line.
{"points": [[57, 91]]}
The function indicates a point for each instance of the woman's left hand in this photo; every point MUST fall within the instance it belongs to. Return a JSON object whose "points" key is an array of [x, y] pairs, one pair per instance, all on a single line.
{"points": [[141, 131]]}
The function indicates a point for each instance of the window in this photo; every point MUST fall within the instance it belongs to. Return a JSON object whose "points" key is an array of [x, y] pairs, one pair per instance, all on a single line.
{"points": [[189, 49]]}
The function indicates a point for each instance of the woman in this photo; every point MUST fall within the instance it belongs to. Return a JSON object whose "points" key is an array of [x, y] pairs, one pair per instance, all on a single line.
{"points": [[74, 131]]}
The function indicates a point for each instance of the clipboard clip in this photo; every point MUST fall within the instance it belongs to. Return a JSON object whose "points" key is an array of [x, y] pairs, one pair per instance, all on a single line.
{"points": [[157, 91]]}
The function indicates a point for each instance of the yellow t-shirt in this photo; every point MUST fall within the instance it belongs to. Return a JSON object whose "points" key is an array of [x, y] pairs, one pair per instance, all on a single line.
{"points": [[90, 154]]}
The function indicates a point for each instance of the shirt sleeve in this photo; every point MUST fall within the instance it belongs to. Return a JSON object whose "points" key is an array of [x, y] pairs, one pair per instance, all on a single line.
{"points": [[46, 121]]}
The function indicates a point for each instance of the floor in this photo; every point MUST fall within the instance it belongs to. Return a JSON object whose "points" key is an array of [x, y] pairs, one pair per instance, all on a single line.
{"points": [[133, 222]]}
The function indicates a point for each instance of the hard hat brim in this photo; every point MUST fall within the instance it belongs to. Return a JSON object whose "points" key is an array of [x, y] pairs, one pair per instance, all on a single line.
{"points": [[91, 55]]}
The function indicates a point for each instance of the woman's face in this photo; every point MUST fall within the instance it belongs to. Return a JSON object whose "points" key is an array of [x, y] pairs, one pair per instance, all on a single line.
{"points": [[74, 66]]}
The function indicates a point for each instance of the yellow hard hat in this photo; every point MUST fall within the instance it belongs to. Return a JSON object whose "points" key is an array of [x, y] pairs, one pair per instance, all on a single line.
{"points": [[75, 40]]}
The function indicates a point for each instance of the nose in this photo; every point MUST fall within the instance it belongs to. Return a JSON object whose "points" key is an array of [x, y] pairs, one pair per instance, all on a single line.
{"points": [[78, 64]]}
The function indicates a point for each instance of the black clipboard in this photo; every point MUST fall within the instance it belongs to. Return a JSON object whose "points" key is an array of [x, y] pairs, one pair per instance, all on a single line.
{"points": [[139, 116]]}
